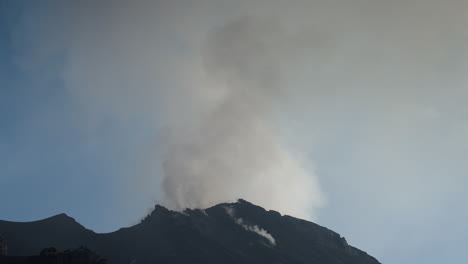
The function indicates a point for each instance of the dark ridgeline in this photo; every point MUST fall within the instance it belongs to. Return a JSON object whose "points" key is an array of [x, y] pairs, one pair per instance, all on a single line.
{"points": [[226, 233]]}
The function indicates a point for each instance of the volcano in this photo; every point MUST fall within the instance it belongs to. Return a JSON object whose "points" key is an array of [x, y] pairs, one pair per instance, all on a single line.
{"points": [[239, 232]]}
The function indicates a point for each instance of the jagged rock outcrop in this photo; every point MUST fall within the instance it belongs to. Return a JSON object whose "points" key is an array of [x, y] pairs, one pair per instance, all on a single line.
{"points": [[226, 233]]}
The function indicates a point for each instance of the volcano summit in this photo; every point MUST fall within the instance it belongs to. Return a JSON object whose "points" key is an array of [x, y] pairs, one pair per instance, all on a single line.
{"points": [[238, 232]]}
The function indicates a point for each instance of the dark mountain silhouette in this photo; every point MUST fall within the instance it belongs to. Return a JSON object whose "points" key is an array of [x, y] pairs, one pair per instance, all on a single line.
{"points": [[226, 233]]}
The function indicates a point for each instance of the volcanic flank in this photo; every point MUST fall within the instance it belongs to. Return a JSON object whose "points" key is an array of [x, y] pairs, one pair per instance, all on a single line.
{"points": [[238, 232]]}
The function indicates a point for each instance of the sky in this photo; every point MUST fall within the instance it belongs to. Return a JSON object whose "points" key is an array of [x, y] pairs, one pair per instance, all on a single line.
{"points": [[351, 114]]}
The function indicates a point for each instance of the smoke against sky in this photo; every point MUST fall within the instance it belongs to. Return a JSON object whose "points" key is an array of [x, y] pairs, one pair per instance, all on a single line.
{"points": [[357, 106], [235, 150], [212, 100]]}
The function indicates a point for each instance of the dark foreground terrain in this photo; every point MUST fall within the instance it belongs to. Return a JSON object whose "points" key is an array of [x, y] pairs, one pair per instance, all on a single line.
{"points": [[226, 233], [80, 255]]}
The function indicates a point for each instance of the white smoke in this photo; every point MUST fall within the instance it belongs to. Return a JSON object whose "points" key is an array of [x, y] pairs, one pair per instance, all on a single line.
{"points": [[211, 85], [260, 231], [236, 151], [252, 228]]}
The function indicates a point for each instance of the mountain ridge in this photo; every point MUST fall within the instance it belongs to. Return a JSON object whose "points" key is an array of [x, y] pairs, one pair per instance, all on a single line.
{"points": [[238, 232]]}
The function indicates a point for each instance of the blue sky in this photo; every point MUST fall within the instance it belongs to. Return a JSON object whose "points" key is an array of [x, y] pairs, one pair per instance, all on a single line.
{"points": [[50, 163], [109, 108]]}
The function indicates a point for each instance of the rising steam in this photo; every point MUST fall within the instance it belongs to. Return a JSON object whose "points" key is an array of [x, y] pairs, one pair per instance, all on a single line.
{"points": [[252, 228], [236, 151], [214, 82]]}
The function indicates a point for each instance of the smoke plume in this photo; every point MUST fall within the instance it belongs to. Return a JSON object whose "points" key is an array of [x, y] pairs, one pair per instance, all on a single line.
{"points": [[200, 95], [252, 228], [236, 151]]}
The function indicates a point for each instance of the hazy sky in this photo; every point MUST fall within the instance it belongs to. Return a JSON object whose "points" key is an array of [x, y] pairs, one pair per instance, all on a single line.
{"points": [[351, 113]]}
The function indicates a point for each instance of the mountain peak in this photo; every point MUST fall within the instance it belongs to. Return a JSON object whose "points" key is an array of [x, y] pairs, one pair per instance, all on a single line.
{"points": [[246, 203], [159, 212], [61, 219], [160, 208], [62, 216]]}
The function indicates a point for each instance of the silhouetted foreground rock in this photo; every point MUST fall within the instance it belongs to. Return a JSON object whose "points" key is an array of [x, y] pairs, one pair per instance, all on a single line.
{"points": [[3, 246], [81, 255], [226, 233]]}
